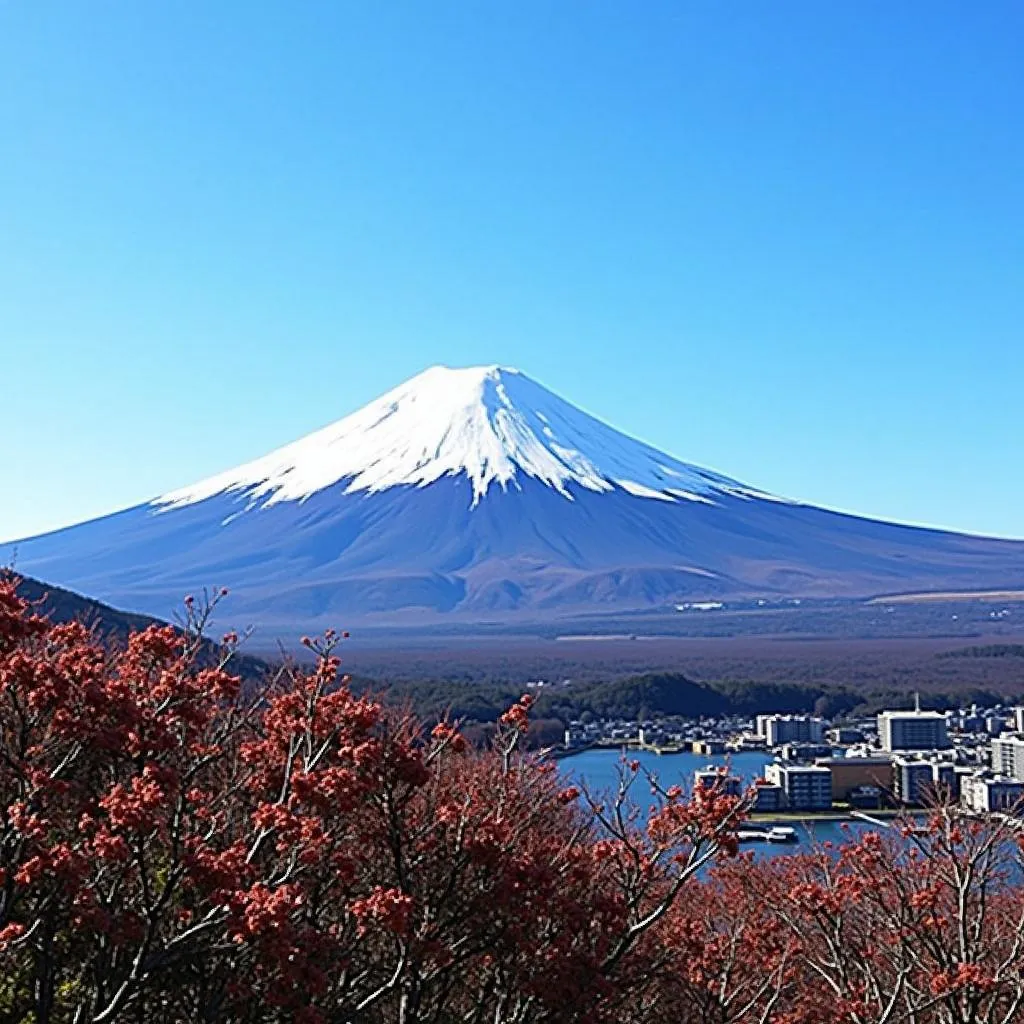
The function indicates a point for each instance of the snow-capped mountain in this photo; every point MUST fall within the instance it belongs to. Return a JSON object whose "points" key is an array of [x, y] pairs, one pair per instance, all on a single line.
{"points": [[491, 424], [479, 494]]}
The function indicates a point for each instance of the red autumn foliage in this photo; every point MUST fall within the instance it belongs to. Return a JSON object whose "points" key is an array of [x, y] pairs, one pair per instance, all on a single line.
{"points": [[173, 849]]}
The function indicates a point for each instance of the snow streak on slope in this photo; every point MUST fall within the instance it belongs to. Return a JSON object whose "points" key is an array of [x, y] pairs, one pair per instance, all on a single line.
{"points": [[489, 423]]}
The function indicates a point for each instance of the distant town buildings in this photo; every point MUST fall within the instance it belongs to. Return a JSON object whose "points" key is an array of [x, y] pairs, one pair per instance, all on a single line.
{"points": [[895, 759], [913, 780]]}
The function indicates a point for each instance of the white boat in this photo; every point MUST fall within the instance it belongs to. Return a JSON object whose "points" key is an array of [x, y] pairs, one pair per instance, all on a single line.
{"points": [[752, 835], [782, 834]]}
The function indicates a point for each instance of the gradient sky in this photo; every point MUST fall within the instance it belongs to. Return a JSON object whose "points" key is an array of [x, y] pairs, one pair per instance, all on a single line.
{"points": [[784, 240]]}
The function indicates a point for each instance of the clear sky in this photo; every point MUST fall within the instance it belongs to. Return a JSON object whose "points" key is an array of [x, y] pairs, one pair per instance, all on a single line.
{"points": [[784, 240]]}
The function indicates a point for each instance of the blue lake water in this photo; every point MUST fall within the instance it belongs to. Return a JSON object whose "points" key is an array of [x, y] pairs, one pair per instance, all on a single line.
{"points": [[598, 770]]}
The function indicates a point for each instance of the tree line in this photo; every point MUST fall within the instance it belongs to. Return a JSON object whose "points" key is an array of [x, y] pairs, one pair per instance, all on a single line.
{"points": [[660, 694]]}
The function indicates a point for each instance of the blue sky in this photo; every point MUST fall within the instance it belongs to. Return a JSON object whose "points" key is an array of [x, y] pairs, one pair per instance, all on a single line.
{"points": [[783, 240]]}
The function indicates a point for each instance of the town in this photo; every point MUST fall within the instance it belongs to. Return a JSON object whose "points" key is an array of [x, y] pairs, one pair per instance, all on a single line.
{"points": [[889, 762]]}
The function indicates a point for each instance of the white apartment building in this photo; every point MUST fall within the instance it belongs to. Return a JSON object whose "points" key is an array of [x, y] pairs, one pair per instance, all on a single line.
{"points": [[913, 730], [780, 729], [805, 787], [1008, 756], [986, 792]]}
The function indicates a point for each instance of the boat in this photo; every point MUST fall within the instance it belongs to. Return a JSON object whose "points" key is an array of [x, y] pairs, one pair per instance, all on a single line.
{"points": [[752, 835], [771, 834]]}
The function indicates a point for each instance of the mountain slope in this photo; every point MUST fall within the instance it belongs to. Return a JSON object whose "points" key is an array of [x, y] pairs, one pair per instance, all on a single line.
{"points": [[60, 605], [113, 625], [478, 494]]}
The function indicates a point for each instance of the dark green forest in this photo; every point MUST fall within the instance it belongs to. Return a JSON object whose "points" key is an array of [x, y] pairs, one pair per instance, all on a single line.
{"points": [[660, 694]]}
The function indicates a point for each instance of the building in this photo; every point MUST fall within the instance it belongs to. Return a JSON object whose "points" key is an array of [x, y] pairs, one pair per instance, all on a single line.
{"points": [[868, 798], [945, 781], [913, 730], [986, 791], [803, 751], [768, 796], [709, 747], [779, 729], [960, 774], [805, 787], [1008, 756], [1017, 719], [968, 721], [844, 735], [994, 725], [748, 741], [714, 776], [850, 773], [913, 778], [925, 780]]}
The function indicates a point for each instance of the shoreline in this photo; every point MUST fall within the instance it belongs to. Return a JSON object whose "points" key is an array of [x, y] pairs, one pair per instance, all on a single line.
{"points": [[886, 815]]}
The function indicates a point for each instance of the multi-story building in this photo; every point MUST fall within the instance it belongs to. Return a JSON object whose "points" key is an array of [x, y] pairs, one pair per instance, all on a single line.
{"points": [[850, 773], [768, 796], [718, 777], [913, 730], [913, 779], [1017, 720], [803, 751], [925, 780], [805, 787], [845, 734], [1008, 756], [779, 729], [986, 791]]}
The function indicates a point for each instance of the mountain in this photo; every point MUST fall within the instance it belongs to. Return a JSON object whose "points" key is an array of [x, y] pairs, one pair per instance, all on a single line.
{"points": [[60, 605], [113, 625], [477, 494]]}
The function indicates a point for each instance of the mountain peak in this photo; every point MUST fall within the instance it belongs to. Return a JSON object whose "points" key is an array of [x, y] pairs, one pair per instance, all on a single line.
{"points": [[493, 371], [492, 424]]}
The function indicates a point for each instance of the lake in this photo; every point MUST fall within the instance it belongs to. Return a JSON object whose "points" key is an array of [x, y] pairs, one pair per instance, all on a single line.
{"points": [[597, 769]]}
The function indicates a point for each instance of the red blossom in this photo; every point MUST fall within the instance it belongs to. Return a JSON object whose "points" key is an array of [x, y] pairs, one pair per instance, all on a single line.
{"points": [[387, 908]]}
